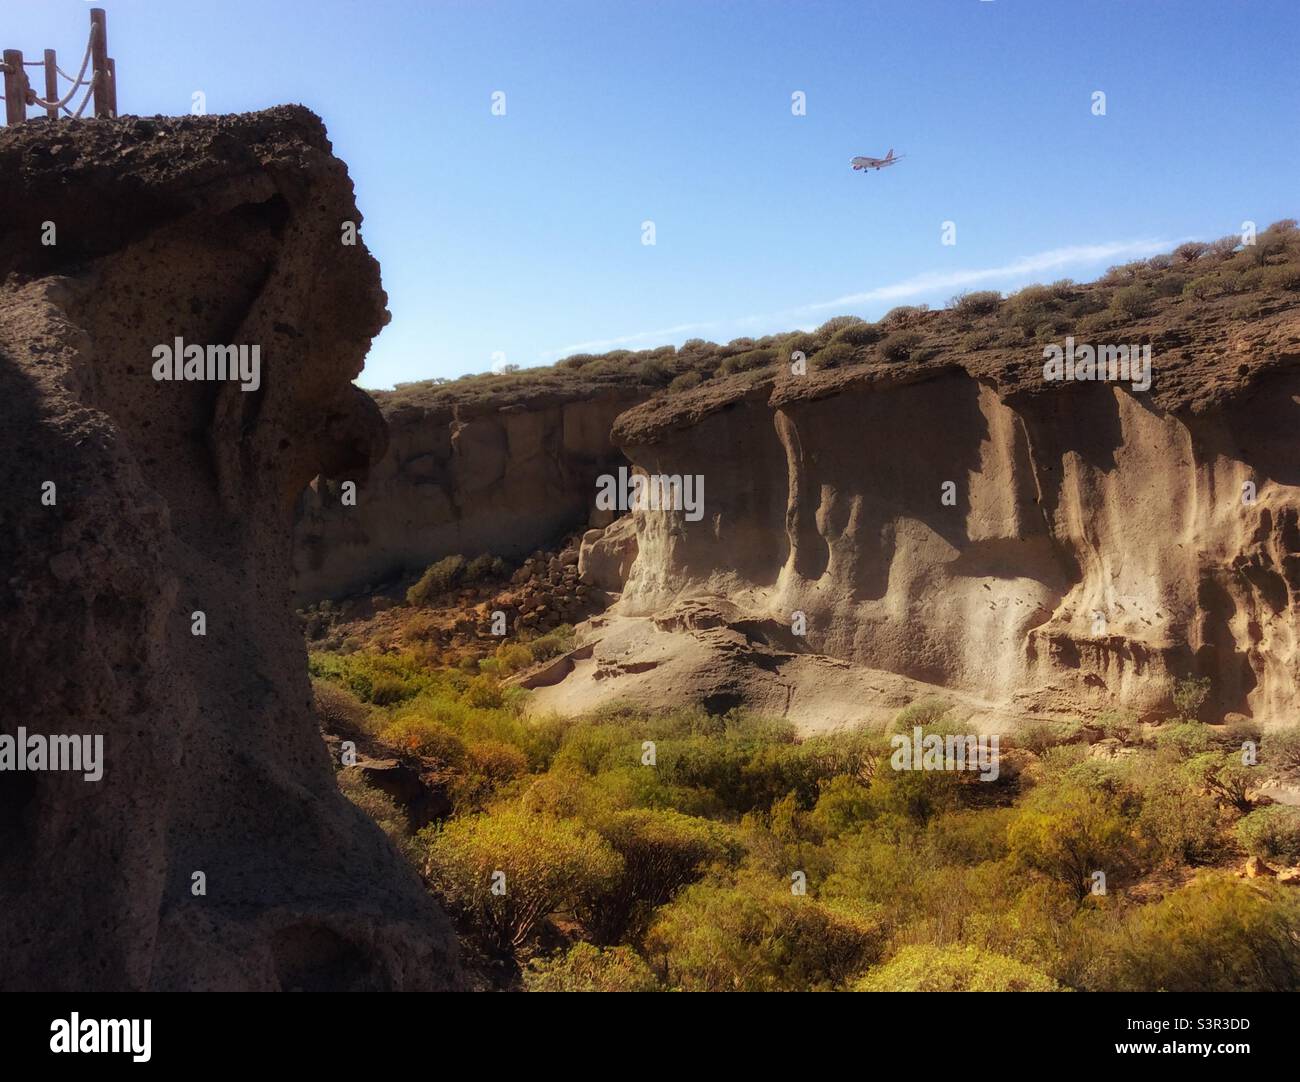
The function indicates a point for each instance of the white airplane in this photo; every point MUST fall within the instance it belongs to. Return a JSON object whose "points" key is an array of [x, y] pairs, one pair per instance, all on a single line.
{"points": [[864, 163]]}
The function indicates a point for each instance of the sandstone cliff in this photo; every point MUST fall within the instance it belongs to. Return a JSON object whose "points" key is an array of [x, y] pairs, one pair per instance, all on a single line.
{"points": [[171, 498], [503, 475], [1101, 542]]}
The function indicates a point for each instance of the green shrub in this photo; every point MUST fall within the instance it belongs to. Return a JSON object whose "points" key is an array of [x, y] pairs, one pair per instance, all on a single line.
{"points": [[926, 968], [1217, 934], [979, 303], [900, 345], [685, 381], [843, 805], [833, 326], [1169, 284], [1190, 252], [484, 567], [758, 937], [1125, 273], [1272, 833], [338, 709], [663, 851], [1034, 310], [653, 370], [1067, 831], [1096, 323], [1118, 725], [1132, 302], [437, 579], [1040, 736], [905, 315], [1185, 739], [1225, 777], [858, 334], [929, 712], [1230, 281], [585, 968], [804, 343], [970, 836], [1204, 287], [836, 355], [747, 361], [979, 339], [1190, 695], [386, 690], [484, 692], [1177, 823], [489, 765], [514, 656], [381, 807], [1280, 749], [578, 360], [397, 676], [552, 644], [1286, 277], [427, 738], [544, 864]]}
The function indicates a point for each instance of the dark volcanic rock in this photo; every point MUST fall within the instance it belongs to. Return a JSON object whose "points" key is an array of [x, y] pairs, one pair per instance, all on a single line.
{"points": [[172, 498]]}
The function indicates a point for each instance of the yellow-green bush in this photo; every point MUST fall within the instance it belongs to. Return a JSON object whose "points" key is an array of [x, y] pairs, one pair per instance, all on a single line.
{"points": [[662, 852], [584, 968], [1272, 833], [508, 871], [955, 968], [437, 579], [1067, 831], [1217, 934], [759, 937]]}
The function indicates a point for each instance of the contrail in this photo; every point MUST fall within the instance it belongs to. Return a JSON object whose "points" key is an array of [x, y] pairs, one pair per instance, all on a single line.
{"points": [[916, 286]]}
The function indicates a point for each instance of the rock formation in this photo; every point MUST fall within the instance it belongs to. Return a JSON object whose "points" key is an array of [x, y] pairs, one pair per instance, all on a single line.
{"points": [[130, 506], [497, 476], [1099, 543]]}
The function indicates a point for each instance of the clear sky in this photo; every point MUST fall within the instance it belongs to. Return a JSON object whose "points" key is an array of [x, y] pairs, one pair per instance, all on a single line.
{"points": [[521, 235]]}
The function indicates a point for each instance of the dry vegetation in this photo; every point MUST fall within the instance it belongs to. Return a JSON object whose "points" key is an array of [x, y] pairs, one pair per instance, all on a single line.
{"points": [[1195, 282], [676, 875]]}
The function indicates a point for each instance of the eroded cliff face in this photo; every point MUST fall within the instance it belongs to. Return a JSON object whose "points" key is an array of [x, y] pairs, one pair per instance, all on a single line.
{"points": [[132, 504], [463, 479], [1096, 545]]}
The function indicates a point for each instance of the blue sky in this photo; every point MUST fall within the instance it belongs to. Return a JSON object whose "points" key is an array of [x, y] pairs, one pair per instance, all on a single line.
{"points": [[520, 235]]}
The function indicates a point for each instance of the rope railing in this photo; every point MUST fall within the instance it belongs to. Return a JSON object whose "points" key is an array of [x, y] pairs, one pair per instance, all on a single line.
{"points": [[101, 85]]}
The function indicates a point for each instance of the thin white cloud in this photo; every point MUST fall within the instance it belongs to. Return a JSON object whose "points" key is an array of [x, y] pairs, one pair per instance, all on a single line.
{"points": [[929, 284], [1056, 259], [603, 345]]}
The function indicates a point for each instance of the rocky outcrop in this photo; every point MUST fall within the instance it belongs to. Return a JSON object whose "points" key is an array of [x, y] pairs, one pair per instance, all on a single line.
{"points": [[1045, 547], [606, 555], [501, 477], [215, 852]]}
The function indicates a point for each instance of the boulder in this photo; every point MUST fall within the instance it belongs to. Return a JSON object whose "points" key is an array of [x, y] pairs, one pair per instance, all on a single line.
{"points": [[605, 557]]}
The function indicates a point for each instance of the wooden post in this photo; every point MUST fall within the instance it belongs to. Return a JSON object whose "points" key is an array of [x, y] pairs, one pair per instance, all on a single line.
{"points": [[15, 87], [112, 84], [99, 60], [51, 84]]}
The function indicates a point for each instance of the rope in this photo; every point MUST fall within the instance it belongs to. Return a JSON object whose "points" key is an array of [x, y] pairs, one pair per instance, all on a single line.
{"points": [[84, 101], [77, 84], [80, 81]]}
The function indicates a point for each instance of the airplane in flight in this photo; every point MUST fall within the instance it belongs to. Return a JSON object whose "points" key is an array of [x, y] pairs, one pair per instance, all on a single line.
{"points": [[864, 163]]}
